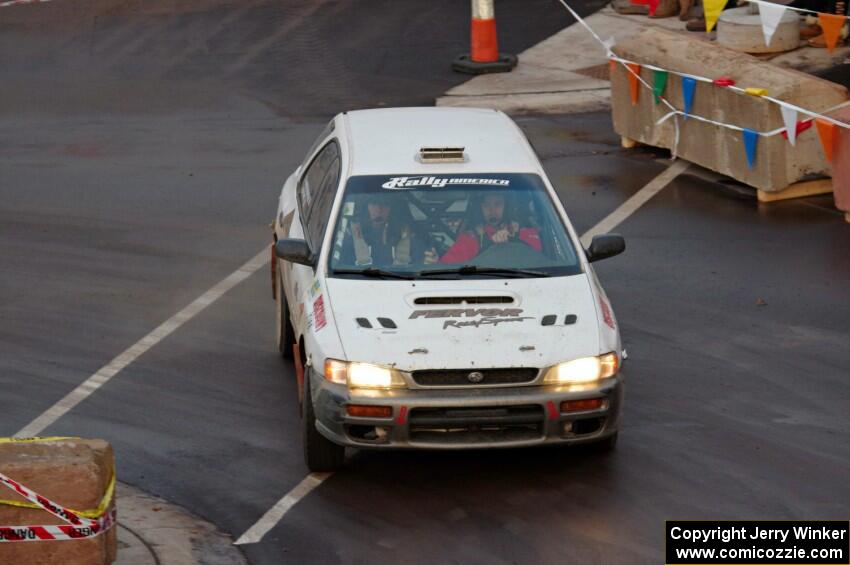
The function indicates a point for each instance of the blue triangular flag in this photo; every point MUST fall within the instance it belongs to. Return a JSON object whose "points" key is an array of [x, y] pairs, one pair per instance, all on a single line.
{"points": [[751, 139], [688, 86]]}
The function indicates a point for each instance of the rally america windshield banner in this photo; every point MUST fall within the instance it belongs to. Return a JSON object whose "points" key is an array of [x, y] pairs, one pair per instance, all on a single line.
{"points": [[427, 181]]}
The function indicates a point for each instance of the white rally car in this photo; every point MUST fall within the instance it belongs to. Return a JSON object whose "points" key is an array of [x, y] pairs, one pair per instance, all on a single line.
{"points": [[433, 293]]}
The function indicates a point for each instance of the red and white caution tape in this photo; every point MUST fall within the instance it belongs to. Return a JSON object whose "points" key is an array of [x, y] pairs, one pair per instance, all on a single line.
{"points": [[14, 2], [57, 533], [77, 528]]}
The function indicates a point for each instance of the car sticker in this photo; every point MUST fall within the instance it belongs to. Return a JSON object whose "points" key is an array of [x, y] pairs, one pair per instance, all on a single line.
{"points": [[401, 183], [486, 321], [606, 313], [319, 313], [487, 316], [315, 289]]}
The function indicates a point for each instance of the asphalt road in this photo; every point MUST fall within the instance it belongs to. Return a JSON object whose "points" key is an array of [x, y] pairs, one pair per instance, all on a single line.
{"points": [[141, 154]]}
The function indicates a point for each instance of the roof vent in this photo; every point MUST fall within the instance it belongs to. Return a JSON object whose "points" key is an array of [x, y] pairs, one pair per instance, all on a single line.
{"points": [[429, 155]]}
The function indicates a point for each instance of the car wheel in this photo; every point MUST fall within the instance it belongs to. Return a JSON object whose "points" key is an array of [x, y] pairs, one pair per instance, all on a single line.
{"points": [[285, 333], [320, 453]]}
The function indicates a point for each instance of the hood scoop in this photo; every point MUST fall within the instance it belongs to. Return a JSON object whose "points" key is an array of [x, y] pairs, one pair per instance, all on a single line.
{"points": [[552, 319], [387, 323], [443, 300]]}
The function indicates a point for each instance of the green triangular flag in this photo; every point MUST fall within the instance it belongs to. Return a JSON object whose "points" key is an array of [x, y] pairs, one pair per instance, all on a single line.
{"points": [[659, 83]]}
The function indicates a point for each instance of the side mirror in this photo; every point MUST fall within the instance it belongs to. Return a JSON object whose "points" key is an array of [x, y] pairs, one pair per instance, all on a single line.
{"points": [[604, 246], [295, 251]]}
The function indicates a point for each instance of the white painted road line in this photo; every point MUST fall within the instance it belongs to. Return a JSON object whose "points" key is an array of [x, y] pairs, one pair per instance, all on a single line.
{"points": [[612, 220], [276, 512], [637, 200], [100, 378]]}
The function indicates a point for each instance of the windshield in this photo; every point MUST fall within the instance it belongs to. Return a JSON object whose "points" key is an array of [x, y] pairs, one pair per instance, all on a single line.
{"points": [[471, 225]]}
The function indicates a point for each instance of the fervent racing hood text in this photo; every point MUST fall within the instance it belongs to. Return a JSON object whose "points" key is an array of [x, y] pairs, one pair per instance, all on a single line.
{"points": [[488, 316]]}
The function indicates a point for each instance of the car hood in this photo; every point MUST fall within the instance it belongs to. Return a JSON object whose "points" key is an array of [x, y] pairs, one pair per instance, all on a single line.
{"points": [[465, 323]]}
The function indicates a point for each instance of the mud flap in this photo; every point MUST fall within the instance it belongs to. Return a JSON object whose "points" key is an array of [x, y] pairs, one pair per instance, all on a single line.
{"points": [[274, 272], [299, 376]]}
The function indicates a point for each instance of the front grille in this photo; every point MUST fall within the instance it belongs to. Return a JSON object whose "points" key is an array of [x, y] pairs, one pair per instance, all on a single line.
{"points": [[460, 377], [496, 424]]}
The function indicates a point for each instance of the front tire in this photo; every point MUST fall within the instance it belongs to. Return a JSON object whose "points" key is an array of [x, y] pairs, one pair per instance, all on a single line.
{"points": [[285, 333], [320, 453]]}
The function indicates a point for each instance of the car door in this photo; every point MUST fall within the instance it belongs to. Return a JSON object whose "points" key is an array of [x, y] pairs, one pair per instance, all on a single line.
{"points": [[316, 191]]}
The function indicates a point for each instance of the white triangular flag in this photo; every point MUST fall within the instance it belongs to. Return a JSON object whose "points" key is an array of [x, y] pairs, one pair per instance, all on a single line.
{"points": [[771, 14], [789, 116]]}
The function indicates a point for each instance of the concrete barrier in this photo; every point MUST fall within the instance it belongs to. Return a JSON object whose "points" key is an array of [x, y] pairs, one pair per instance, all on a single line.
{"points": [[72, 472], [740, 29], [780, 169]]}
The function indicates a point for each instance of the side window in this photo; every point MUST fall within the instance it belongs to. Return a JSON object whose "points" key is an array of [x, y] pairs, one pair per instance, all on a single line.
{"points": [[324, 191], [312, 178], [329, 129]]}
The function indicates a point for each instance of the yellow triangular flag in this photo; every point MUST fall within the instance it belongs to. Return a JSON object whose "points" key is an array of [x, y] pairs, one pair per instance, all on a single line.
{"points": [[712, 9]]}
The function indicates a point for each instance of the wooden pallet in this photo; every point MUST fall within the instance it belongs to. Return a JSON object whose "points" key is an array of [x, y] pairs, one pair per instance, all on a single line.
{"points": [[798, 190]]}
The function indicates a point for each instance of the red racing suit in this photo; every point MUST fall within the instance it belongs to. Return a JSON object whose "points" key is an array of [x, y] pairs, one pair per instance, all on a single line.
{"points": [[468, 244]]}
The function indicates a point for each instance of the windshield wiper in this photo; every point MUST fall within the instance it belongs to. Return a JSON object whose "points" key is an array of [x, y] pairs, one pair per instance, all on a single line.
{"points": [[373, 272], [476, 270]]}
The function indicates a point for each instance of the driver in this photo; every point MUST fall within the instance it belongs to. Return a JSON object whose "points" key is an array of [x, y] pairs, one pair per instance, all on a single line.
{"points": [[494, 227], [383, 236]]}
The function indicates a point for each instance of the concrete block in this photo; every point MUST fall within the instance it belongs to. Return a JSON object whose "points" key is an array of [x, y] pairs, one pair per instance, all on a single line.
{"points": [[73, 473], [740, 29], [778, 163]]}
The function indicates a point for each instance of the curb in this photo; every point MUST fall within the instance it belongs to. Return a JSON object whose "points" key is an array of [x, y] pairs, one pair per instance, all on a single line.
{"points": [[154, 532]]}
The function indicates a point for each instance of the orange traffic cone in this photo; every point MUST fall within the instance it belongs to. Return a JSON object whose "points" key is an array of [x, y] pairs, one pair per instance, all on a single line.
{"points": [[484, 56]]}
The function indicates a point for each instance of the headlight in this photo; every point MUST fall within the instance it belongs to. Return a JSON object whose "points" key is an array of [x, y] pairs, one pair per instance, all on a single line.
{"points": [[584, 370], [362, 375]]}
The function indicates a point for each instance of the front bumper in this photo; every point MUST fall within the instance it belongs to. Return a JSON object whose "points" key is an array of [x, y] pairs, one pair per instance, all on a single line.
{"points": [[466, 418]]}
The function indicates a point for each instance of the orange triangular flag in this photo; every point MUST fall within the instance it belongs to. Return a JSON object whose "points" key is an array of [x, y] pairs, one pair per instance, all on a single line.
{"points": [[831, 25], [612, 64], [826, 132], [634, 84]]}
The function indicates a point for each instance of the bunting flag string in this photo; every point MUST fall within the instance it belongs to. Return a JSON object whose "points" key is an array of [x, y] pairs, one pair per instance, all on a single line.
{"points": [[725, 82], [789, 116], [827, 127], [634, 85], [751, 139], [688, 87], [771, 15], [785, 6], [659, 84], [831, 25], [826, 132], [801, 127], [711, 11]]}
